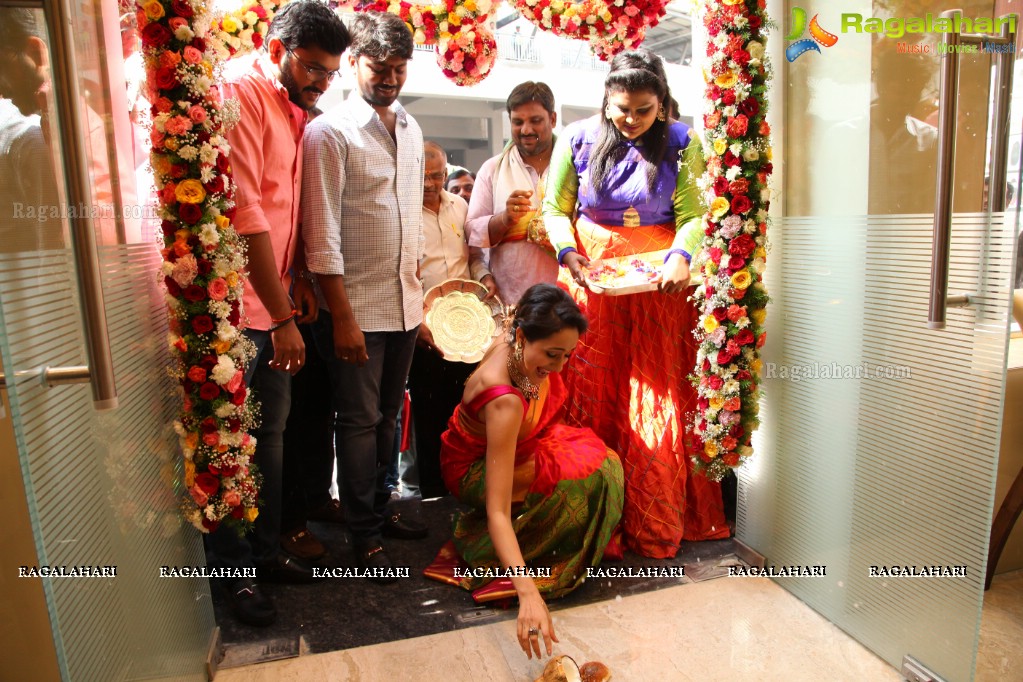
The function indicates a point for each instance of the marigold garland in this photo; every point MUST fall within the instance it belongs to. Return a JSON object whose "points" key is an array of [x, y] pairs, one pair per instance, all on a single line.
{"points": [[732, 299], [204, 260]]}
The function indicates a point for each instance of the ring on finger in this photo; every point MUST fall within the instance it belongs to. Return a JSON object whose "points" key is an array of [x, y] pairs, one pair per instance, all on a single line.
{"points": [[533, 632]]}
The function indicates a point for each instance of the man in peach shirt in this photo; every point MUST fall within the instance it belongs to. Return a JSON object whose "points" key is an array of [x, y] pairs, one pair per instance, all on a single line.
{"points": [[275, 88]]}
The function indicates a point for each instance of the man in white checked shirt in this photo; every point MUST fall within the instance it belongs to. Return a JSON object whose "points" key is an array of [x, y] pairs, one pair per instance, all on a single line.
{"points": [[362, 198]]}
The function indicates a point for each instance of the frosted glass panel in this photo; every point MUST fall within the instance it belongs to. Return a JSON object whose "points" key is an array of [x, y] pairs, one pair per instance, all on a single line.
{"points": [[880, 437], [101, 485]]}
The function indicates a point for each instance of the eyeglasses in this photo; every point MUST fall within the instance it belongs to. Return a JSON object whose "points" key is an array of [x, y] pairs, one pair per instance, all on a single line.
{"points": [[314, 72]]}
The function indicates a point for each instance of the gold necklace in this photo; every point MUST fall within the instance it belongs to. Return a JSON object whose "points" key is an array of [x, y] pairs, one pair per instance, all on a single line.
{"points": [[518, 378]]}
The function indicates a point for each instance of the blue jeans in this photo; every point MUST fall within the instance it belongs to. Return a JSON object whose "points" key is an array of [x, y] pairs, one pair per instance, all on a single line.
{"points": [[272, 388], [367, 401]]}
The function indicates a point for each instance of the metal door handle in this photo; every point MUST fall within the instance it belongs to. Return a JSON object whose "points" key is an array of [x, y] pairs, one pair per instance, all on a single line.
{"points": [[948, 110]]}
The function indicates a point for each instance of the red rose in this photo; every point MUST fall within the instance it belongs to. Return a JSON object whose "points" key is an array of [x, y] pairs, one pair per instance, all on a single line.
{"points": [[731, 459], [729, 443], [223, 165], [715, 255], [716, 382], [209, 391], [728, 97], [755, 22], [168, 227], [750, 106], [743, 374], [731, 159], [205, 267], [190, 213], [238, 398], [155, 35], [216, 185], [703, 404], [209, 524], [761, 340], [235, 316], [720, 314], [196, 374], [208, 425], [195, 293], [207, 482], [737, 127], [741, 204], [234, 425], [738, 186], [742, 245], [202, 324], [257, 39], [172, 287], [744, 337], [741, 57], [166, 78], [182, 8], [736, 263], [724, 357], [200, 44], [706, 365], [720, 185], [208, 362], [736, 431]]}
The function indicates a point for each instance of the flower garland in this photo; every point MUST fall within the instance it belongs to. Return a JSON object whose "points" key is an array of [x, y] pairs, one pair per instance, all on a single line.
{"points": [[466, 49], [732, 299], [610, 27], [203, 262]]}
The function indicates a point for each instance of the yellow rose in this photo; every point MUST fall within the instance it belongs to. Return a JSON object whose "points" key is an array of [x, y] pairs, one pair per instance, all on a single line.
{"points": [[710, 448], [189, 474], [731, 2], [221, 346], [229, 24], [726, 80], [720, 146], [710, 323], [222, 221], [190, 191], [758, 316], [741, 279], [232, 279], [755, 49], [171, 143], [469, 5], [718, 207], [182, 235], [717, 403], [153, 10], [251, 513], [208, 68], [760, 252], [454, 19]]}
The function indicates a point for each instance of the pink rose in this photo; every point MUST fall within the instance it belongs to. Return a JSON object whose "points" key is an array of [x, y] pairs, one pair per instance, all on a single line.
{"points": [[175, 23], [197, 113], [200, 497], [211, 439], [192, 55], [235, 382], [218, 291], [156, 137], [232, 498]]}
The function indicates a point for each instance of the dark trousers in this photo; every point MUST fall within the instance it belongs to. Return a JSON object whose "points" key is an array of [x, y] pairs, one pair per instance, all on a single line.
{"points": [[436, 387], [366, 400], [308, 439], [272, 388]]}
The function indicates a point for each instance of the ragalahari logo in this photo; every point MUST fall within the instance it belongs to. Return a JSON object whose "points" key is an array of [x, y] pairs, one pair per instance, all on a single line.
{"points": [[817, 35]]}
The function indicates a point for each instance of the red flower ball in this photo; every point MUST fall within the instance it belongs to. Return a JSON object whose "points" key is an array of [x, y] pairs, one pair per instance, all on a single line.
{"points": [[741, 204], [155, 35], [182, 8], [166, 77], [202, 324], [209, 391], [190, 213], [207, 482]]}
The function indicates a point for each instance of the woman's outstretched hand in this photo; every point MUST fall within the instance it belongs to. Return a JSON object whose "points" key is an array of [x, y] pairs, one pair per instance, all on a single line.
{"points": [[535, 622], [674, 275], [576, 264]]}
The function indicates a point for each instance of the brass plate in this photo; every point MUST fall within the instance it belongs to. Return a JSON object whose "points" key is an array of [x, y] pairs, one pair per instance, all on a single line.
{"points": [[463, 325]]}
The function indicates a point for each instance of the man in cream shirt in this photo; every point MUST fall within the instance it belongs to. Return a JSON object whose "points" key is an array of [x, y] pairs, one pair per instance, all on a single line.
{"points": [[436, 384]]}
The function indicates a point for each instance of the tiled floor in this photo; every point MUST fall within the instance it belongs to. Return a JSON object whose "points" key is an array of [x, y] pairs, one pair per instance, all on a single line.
{"points": [[729, 629]]}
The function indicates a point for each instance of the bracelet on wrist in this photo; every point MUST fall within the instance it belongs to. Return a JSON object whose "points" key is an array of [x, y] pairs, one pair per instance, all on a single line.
{"points": [[287, 317], [277, 324], [681, 252]]}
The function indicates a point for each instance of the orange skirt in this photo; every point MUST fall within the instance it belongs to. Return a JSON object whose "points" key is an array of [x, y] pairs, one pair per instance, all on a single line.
{"points": [[627, 381]]}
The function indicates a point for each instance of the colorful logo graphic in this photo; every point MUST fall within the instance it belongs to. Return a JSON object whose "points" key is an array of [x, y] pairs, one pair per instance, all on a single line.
{"points": [[817, 35]]}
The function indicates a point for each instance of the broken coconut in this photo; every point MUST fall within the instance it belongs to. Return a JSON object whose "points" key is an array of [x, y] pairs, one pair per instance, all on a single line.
{"points": [[594, 671], [560, 669]]}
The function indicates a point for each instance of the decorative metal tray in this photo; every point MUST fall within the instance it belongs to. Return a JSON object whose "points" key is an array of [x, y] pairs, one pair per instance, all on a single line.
{"points": [[463, 325], [624, 275]]}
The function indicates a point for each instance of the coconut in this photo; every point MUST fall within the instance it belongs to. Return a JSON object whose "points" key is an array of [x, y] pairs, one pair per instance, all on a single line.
{"points": [[594, 671], [560, 669]]}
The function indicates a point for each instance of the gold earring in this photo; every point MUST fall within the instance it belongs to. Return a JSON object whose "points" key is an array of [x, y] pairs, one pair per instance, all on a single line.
{"points": [[661, 116], [518, 352]]}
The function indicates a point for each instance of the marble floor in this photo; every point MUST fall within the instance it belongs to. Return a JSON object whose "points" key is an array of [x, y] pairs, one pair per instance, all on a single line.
{"points": [[760, 632]]}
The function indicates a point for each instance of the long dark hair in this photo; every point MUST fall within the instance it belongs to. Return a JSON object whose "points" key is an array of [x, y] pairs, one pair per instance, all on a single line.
{"points": [[631, 71], [544, 310]]}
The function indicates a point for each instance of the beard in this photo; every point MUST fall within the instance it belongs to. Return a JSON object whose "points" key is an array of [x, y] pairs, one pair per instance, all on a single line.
{"points": [[294, 90]]}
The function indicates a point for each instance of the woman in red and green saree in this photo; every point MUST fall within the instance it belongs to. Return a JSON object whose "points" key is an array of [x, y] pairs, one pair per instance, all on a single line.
{"points": [[545, 498], [623, 183]]}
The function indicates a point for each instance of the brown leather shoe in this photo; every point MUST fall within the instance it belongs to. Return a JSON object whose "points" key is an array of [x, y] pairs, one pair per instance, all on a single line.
{"points": [[328, 513], [303, 544]]}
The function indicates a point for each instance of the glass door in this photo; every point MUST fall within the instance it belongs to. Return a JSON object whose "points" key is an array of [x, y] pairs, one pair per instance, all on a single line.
{"points": [[83, 332], [878, 453]]}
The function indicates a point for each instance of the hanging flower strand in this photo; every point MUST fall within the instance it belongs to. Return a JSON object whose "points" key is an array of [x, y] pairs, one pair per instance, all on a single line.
{"points": [[203, 265], [732, 299]]}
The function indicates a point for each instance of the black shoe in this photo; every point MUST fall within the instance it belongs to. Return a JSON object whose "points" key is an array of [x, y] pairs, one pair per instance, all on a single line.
{"points": [[250, 605], [284, 569], [397, 526], [328, 513], [376, 558]]}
